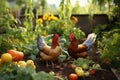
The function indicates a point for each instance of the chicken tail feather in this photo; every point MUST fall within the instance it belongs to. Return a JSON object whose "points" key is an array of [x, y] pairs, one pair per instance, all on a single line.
{"points": [[40, 42], [90, 40]]}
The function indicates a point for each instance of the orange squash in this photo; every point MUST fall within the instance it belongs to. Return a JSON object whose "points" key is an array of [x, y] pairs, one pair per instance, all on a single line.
{"points": [[17, 55]]}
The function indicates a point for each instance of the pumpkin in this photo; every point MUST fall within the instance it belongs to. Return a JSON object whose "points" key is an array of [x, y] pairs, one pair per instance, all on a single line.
{"points": [[16, 55]]}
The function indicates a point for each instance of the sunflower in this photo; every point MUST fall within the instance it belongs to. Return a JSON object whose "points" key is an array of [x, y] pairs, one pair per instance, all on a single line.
{"points": [[51, 16], [40, 21], [54, 18], [45, 16]]}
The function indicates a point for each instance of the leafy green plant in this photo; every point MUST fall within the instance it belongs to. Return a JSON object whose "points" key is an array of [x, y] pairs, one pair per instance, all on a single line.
{"points": [[5, 44], [108, 44], [80, 61], [111, 47], [11, 71]]}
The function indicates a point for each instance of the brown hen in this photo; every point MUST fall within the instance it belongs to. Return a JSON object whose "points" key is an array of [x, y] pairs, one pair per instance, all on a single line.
{"points": [[49, 53], [77, 50]]}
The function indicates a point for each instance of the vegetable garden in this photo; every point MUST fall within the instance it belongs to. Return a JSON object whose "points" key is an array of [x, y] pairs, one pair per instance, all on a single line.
{"points": [[20, 56]]}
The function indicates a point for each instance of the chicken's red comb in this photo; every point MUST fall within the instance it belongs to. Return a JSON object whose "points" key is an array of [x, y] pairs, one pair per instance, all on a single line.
{"points": [[72, 36], [56, 35], [55, 39]]}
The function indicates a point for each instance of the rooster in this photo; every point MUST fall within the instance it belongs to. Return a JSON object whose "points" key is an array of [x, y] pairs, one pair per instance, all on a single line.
{"points": [[49, 53], [77, 50]]}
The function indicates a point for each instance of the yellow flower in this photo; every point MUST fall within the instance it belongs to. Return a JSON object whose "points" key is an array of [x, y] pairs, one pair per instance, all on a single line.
{"points": [[74, 19], [45, 16], [54, 18], [44, 33], [50, 16], [40, 21]]}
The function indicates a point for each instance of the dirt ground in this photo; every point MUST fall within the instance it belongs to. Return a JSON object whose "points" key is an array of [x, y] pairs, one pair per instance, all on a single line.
{"points": [[63, 69]]}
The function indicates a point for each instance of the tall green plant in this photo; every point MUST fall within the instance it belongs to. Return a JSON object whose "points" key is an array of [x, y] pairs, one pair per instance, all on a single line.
{"points": [[4, 5], [6, 18], [111, 47], [65, 10]]}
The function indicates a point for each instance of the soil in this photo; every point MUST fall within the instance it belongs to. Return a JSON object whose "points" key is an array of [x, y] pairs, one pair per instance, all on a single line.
{"points": [[63, 69]]}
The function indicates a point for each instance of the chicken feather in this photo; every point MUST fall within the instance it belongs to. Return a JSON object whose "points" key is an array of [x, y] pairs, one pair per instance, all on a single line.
{"points": [[41, 42]]}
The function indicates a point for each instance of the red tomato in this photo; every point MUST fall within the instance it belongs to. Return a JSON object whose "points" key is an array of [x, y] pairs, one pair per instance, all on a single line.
{"points": [[17, 55], [92, 71], [73, 76]]}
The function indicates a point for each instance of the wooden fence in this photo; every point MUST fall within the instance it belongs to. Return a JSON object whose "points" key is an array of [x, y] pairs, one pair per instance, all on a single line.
{"points": [[87, 25]]}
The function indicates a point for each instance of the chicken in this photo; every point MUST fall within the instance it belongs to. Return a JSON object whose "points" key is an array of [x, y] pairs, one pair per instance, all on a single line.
{"points": [[77, 50], [49, 53]]}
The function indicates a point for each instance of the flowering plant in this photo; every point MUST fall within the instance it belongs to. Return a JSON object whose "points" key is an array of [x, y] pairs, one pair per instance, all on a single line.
{"points": [[51, 24], [63, 24]]}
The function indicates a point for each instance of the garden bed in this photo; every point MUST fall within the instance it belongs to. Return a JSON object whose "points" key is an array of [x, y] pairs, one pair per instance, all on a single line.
{"points": [[64, 70]]}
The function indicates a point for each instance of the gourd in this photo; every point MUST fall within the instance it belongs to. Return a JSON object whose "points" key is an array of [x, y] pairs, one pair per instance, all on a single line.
{"points": [[17, 55]]}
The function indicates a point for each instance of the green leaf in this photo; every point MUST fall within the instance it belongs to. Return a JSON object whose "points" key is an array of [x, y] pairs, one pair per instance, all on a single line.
{"points": [[32, 56]]}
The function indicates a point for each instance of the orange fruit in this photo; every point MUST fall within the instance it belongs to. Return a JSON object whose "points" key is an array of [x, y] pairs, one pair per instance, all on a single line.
{"points": [[6, 57]]}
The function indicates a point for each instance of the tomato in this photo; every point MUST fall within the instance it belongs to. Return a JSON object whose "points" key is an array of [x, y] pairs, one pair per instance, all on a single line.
{"points": [[96, 67], [52, 72], [79, 71], [30, 62], [92, 71], [6, 57], [17, 55], [73, 76], [72, 66], [85, 66], [22, 63], [87, 74]]}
